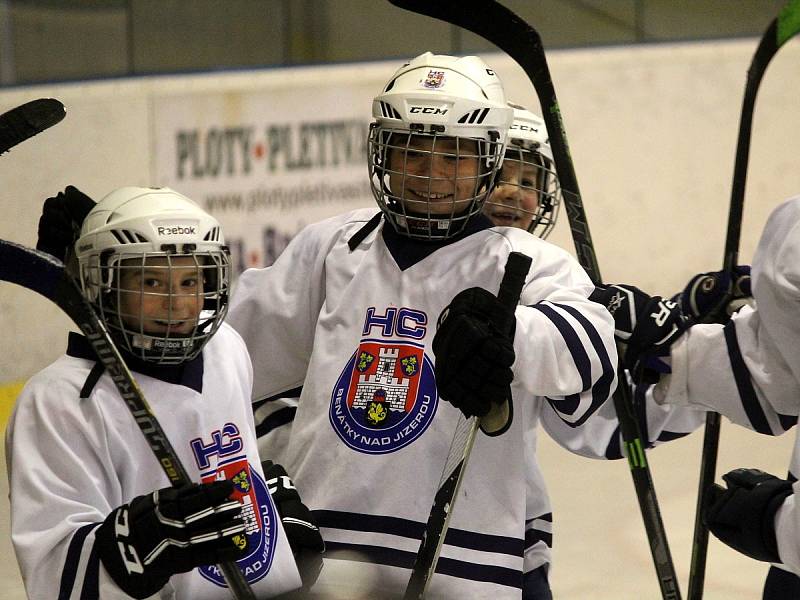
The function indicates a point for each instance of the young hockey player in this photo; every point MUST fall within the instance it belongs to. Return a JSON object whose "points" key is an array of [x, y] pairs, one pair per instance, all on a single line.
{"points": [[92, 512], [349, 312], [748, 371]]}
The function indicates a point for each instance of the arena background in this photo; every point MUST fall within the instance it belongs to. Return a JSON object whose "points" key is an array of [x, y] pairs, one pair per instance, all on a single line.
{"points": [[652, 128]]}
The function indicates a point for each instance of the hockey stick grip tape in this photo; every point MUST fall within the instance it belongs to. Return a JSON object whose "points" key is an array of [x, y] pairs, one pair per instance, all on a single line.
{"points": [[516, 270]]}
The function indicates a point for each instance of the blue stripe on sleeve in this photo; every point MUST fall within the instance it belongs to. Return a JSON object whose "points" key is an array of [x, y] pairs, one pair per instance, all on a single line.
{"points": [[744, 385], [70, 572], [574, 344]]}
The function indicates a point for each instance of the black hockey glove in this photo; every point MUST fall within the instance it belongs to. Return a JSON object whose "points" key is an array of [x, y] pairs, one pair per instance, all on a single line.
{"points": [[298, 522], [61, 220], [172, 530], [473, 356], [714, 297], [645, 325], [743, 516]]}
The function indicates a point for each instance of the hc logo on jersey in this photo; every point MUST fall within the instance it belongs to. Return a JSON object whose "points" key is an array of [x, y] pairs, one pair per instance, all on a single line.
{"points": [[261, 533], [385, 397]]}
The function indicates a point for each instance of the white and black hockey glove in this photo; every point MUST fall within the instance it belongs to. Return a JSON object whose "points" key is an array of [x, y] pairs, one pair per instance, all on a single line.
{"points": [[743, 516], [646, 326], [172, 530], [473, 356], [298, 522], [61, 220], [714, 297]]}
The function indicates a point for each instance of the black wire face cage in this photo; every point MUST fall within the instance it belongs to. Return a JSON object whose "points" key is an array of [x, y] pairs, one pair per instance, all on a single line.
{"points": [[160, 307], [427, 184], [527, 193]]}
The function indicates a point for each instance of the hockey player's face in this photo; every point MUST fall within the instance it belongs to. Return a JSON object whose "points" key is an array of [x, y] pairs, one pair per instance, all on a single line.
{"points": [[515, 198], [161, 295], [436, 175]]}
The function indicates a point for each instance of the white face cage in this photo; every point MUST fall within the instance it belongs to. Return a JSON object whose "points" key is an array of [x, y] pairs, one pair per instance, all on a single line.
{"points": [[162, 307], [527, 194], [429, 185]]}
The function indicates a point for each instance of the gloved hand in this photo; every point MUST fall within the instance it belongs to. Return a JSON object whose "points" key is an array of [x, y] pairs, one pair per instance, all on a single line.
{"points": [[61, 220], [473, 356], [743, 516], [704, 297], [298, 522], [645, 325], [172, 530]]}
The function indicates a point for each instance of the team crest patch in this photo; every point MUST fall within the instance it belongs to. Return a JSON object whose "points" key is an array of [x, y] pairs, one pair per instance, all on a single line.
{"points": [[385, 397], [261, 534], [434, 79]]}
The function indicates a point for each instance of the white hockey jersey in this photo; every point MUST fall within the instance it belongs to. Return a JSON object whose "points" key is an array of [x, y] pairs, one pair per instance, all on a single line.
{"points": [[75, 453], [348, 320], [749, 369]]}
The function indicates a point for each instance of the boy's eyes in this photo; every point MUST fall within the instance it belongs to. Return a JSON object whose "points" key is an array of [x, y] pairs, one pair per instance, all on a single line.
{"points": [[152, 282]]}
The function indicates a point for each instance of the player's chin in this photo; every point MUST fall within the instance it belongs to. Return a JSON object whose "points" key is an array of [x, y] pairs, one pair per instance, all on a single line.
{"points": [[173, 328]]}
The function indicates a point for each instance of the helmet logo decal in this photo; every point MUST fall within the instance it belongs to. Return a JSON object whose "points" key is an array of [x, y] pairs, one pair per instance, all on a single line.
{"points": [[434, 79], [176, 230], [386, 396]]}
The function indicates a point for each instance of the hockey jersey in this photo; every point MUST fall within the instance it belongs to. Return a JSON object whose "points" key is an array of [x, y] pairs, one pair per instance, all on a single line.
{"points": [[348, 312], [749, 369], [75, 453]]}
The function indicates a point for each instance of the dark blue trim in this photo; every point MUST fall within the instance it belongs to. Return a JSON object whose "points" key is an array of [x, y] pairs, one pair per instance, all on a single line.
{"points": [[741, 374], [92, 379], [407, 251], [614, 448], [188, 374], [574, 344], [534, 536], [91, 580], [282, 416], [668, 436], [446, 566], [787, 421], [72, 560], [292, 393], [601, 390], [459, 538]]}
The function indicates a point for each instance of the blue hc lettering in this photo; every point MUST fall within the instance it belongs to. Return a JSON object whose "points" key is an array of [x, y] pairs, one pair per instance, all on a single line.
{"points": [[223, 443], [405, 322]]}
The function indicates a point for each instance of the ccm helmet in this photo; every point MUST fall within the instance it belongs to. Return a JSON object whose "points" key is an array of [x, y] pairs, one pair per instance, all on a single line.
{"points": [[436, 143], [527, 193], [134, 245]]}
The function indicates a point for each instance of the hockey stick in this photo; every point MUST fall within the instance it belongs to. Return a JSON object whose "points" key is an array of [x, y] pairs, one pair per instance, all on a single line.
{"points": [[785, 26], [516, 270], [520, 41], [26, 120], [45, 275]]}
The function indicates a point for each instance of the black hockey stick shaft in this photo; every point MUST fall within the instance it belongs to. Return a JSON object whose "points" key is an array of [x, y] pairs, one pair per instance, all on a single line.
{"points": [[515, 37], [516, 270], [26, 120], [785, 26], [45, 275]]}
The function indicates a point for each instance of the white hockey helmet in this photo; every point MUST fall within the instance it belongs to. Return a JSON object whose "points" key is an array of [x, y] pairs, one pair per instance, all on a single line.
{"points": [[527, 193], [134, 228], [439, 107]]}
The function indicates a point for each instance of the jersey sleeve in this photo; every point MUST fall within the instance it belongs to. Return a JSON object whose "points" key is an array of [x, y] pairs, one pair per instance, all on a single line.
{"points": [[735, 370], [600, 437], [564, 342], [60, 486], [277, 308]]}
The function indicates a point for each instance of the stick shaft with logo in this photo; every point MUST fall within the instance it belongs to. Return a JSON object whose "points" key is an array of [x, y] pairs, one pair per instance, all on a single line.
{"points": [[783, 28], [516, 270], [45, 275]]}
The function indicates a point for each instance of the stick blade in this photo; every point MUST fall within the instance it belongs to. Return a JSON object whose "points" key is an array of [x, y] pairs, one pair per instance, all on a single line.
{"points": [[26, 120]]}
